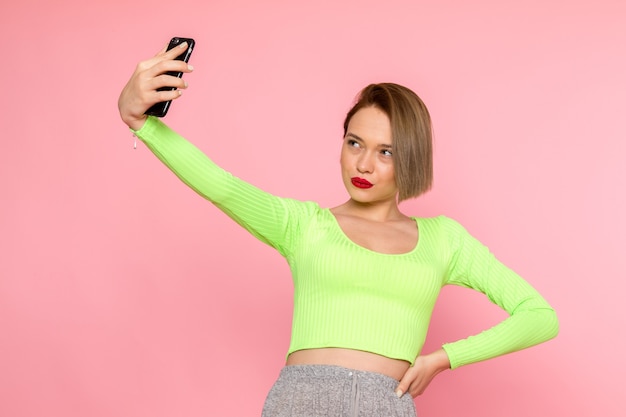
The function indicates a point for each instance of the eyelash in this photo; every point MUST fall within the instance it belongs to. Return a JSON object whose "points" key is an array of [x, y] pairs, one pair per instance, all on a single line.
{"points": [[353, 143]]}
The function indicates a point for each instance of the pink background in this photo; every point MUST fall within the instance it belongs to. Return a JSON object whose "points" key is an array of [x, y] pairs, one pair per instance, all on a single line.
{"points": [[122, 293]]}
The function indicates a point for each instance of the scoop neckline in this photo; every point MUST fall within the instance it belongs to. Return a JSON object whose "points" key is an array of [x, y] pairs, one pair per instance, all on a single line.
{"points": [[353, 243]]}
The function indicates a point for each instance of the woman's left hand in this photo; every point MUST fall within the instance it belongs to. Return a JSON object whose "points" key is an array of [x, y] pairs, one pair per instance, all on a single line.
{"points": [[418, 377]]}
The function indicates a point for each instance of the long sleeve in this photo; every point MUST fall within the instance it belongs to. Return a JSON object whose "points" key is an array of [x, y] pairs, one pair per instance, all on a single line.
{"points": [[531, 319], [271, 219]]}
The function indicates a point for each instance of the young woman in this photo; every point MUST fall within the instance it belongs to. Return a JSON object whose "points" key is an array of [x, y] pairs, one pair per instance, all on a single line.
{"points": [[366, 276]]}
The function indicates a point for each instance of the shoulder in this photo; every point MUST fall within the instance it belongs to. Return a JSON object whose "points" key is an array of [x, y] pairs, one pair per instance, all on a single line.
{"points": [[303, 207], [448, 234], [441, 224], [301, 212]]}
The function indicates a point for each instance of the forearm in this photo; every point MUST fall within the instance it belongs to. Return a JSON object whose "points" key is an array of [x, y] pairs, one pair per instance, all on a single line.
{"points": [[267, 217], [519, 331]]}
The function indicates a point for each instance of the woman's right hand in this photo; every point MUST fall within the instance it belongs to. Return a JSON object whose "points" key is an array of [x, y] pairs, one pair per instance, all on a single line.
{"points": [[140, 93]]}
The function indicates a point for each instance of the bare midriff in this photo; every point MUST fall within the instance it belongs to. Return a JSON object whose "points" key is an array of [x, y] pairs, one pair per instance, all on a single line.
{"points": [[349, 358]]}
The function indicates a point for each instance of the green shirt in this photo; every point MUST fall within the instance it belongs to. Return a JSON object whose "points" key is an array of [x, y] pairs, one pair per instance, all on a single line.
{"points": [[347, 296]]}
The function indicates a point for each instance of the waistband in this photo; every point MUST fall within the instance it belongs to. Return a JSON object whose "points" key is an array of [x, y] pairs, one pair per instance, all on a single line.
{"points": [[294, 372]]}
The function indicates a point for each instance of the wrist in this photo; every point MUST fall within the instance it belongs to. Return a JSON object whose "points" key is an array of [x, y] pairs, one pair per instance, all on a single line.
{"points": [[441, 360], [135, 124]]}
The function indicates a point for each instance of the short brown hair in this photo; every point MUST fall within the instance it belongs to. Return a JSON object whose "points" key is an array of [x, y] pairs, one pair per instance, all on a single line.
{"points": [[412, 134]]}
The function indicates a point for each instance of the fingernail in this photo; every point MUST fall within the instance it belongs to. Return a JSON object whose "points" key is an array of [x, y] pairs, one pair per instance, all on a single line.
{"points": [[182, 45], [190, 67], [399, 393]]}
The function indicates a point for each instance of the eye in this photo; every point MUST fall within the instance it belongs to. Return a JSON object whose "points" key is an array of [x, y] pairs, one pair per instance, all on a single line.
{"points": [[386, 152], [353, 143]]}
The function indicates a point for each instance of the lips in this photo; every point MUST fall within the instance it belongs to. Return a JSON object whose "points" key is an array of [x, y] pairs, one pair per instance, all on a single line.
{"points": [[361, 182]]}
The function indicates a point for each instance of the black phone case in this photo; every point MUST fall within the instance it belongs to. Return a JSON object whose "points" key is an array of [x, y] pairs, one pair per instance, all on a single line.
{"points": [[160, 109]]}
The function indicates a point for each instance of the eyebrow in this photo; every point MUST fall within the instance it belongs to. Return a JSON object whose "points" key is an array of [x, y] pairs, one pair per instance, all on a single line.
{"points": [[381, 145]]}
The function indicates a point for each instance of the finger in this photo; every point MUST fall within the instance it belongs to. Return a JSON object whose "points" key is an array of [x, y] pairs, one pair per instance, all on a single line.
{"points": [[166, 56], [177, 50], [416, 389], [163, 66], [162, 51], [404, 384], [166, 81], [167, 95], [180, 48]]}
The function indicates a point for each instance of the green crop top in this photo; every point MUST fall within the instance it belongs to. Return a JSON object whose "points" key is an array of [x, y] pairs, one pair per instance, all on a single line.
{"points": [[351, 297]]}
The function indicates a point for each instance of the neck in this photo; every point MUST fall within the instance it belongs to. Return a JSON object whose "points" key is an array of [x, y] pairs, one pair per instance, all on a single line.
{"points": [[379, 211]]}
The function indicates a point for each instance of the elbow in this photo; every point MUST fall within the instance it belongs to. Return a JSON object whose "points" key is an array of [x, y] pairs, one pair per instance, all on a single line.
{"points": [[549, 325], [555, 324], [542, 322]]}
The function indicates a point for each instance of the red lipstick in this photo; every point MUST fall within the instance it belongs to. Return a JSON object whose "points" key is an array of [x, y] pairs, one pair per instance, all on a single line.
{"points": [[361, 182]]}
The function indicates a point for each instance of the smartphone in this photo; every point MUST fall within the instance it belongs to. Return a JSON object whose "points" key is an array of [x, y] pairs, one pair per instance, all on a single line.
{"points": [[160, 109]]}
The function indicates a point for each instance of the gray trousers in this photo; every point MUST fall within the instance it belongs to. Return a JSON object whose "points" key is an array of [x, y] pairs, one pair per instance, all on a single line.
{"points": [[325, 391]]}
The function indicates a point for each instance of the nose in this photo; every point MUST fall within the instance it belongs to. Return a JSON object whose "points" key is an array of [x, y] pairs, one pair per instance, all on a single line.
{"points": [[365, 163]]}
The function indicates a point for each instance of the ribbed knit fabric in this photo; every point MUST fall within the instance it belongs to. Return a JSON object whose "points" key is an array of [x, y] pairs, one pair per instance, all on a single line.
{"points": [[351, 297]]}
